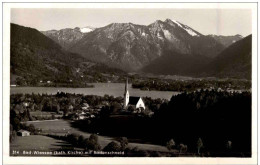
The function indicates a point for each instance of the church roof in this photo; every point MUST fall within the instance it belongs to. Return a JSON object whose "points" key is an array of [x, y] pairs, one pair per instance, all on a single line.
{"points": [[126, 85], [133, 100]]}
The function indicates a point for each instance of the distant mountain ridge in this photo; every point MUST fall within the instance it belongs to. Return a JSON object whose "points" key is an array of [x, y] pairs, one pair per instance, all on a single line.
{"points": [[232, 62], [235, 61], [68, 36], [226, 40]]}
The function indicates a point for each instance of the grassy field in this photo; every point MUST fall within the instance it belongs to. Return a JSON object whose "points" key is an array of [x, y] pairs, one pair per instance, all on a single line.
{"points": [[61, 127], [36, 143], [43, 114], [54, 126]]}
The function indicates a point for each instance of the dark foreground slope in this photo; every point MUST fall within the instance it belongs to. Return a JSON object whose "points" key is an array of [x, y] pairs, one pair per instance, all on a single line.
{"points": [[212, 116]]}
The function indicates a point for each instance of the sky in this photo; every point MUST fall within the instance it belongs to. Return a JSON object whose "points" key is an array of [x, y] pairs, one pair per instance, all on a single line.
{"points": [[206, 21]]}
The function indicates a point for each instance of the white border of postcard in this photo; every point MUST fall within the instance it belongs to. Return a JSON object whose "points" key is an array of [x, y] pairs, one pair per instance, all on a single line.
{"points": [[146, 160]]}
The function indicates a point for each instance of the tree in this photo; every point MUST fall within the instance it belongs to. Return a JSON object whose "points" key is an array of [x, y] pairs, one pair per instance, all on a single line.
{"points": [[13, 135], [123, 143], [183, 148], [93, 137], [229, 145], [73, 138], [199, 145], [31, 128], [65, 110], [57, 108], [105, 111], [16, 124], [47, 106], [115, 107], [170, 144], [112, 146], [140, 153], [81, 140], [52, 116], [130, 109], [85, 143], [92, 143]]}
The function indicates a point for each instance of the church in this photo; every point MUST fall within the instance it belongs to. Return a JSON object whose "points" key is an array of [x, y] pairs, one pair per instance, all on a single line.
{"points": [[136, 102]]}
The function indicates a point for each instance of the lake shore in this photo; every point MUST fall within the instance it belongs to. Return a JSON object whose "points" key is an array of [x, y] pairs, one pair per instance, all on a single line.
{"points": [[100, 89]]}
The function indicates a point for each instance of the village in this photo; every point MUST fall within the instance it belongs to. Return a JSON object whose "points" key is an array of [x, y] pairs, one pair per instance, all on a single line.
{"points": [[32, 116], [67, 116], [76, 107]]}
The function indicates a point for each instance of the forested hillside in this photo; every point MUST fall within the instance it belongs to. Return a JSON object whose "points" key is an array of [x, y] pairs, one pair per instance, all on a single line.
{"points": [[36, 58]]}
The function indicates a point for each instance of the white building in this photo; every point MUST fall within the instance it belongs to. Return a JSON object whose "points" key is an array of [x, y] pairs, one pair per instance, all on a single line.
{"points": [[137, 102], [23, 133], [85, 106]]}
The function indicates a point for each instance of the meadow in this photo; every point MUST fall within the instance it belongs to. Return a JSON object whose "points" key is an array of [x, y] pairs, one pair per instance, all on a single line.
{"points": [[36, 143], [62, 127], [44, 114]]}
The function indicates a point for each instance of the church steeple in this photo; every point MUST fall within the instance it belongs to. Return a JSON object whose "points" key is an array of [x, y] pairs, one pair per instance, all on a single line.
{"points": [[126, 85], [126, 94]]}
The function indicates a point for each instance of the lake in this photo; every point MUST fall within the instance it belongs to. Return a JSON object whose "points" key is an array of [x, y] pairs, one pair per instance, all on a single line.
{"points": [[100, 89]]}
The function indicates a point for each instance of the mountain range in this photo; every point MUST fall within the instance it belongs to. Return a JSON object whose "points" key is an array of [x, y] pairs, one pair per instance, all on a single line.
{"points": [[130, 47], [163, 47]]}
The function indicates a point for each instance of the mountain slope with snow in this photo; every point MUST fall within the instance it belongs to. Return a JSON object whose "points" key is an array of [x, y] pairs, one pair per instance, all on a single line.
{"points": [[131, 47], [87, 29], [68, 37]]}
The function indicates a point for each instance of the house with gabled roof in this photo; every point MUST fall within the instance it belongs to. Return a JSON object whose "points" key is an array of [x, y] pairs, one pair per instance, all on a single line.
{"points": [[23, 133]]}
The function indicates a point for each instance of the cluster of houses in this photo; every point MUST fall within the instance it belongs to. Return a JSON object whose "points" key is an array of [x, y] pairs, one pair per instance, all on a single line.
{"points": [[86, 112]]}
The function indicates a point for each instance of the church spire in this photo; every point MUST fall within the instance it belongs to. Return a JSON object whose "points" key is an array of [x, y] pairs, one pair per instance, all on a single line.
{"points": [[126, 94], [126, 85]]}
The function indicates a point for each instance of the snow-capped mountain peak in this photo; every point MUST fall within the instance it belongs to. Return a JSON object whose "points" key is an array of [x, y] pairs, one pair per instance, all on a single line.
{"points": [[176, 22], [184, 27], [86, 29], [190, 31]]}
